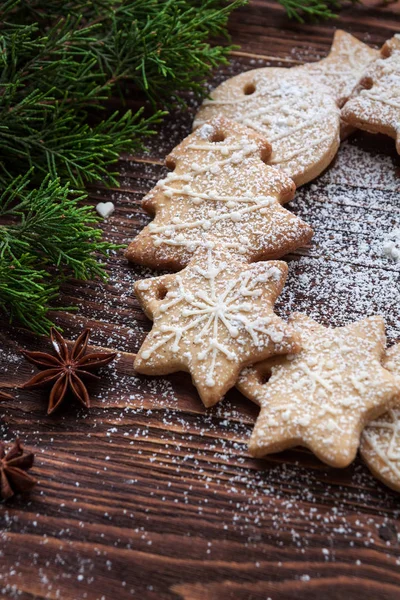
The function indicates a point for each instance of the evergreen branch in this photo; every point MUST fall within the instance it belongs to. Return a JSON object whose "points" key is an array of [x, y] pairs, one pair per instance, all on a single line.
{"points": [[313, 9], [52, 76], [60, 62], [158, 45], [71, 149], [55, 232], [25, 293], [42, 227]]}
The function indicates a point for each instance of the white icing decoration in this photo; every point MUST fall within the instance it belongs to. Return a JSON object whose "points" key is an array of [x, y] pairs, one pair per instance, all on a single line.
{"points": [[388, 101], [179, 232], [209, 310], [105, 209], [293, 111], [391, 245], [275, 160], [206, 131], [387, 448]]}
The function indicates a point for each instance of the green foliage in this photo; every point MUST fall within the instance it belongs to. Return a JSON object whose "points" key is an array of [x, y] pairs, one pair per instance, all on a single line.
{"points": [[25, 292], [51, 225], [60, 62], [313, 9], [44, 227]]}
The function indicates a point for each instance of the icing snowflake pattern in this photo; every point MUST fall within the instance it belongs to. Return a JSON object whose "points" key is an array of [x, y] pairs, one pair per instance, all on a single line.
{"points": [[210, 319]]}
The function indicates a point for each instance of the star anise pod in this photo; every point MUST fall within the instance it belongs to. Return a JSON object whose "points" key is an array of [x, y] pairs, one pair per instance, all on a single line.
{"points": [[64, 372], [13, 466]]}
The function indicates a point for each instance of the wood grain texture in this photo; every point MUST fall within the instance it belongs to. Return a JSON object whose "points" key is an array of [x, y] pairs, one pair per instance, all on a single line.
{"points": [[150, 496]]}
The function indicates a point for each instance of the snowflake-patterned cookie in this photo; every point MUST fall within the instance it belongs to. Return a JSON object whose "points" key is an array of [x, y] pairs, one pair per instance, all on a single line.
{"points": [[322, 397], [213, 318], [220, 192], [293, 110], [375, 103], [380, 441], [342, 69]]}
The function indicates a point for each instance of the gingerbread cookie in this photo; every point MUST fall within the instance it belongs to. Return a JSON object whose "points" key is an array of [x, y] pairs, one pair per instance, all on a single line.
{"points": [[220, 192], [380, 441], [375, 104], [213, 318], [322, 397], [292, 110], [342, 69]]}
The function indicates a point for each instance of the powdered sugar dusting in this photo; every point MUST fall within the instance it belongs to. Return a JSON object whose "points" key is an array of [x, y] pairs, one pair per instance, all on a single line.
{"points": [[150, 473], [375, 103], [391, 245], [380, 445], [217, 315], [343, 67], [331, 387], [295, 112], [344, 275]]}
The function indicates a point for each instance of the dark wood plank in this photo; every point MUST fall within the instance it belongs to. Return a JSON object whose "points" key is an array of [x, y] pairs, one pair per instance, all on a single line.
{"points": [[149, 495]]}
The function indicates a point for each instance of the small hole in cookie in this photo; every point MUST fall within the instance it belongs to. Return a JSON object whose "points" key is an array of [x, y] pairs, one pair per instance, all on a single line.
{"points": [[249, 89], [170, 163], [367, 83], [265, 155], [265, 377], [217, 136], [161, 292]]}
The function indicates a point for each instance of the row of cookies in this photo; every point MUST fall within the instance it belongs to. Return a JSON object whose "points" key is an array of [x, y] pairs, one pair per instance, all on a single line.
{"points": [[219, 209], [216, 315], [317, 387], [304, 111], [331, 397]]}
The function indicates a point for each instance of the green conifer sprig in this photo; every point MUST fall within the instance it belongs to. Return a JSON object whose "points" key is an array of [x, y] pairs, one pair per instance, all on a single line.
{"points": [[45, 227], [51, 223], [314, 9], [60, 63], [26, 293]]}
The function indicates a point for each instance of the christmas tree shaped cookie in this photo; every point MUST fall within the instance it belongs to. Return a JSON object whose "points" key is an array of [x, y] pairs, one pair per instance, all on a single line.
{"points": [[212, 319], [375, 104], [220, 192], [380, 442], [322, 397]]}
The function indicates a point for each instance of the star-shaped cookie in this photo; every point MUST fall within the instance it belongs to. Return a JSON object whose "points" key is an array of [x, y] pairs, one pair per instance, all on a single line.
{"points": [[322, 397], [220, 192], [380, 441], [291, 109], [375, 104], [212, 319]]}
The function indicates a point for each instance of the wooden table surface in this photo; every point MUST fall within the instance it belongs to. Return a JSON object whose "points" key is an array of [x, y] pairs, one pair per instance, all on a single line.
{"points": [[150, 496]]}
